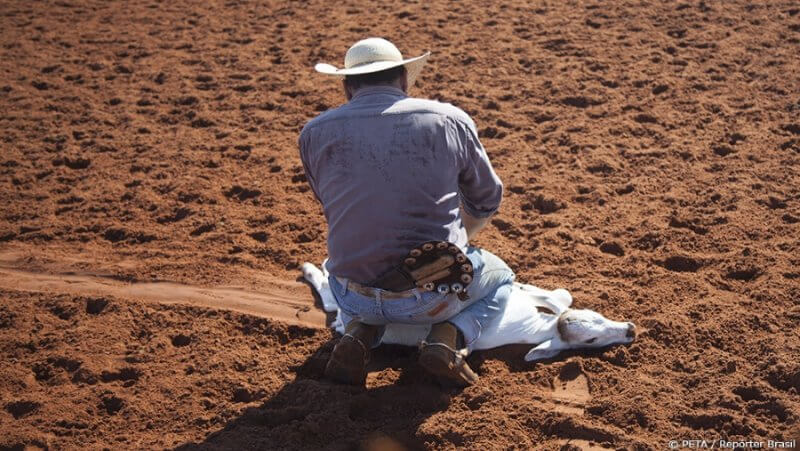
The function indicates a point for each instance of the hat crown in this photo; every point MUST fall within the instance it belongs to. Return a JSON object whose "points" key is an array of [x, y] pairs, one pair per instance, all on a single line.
{"points": [[371, 50]]}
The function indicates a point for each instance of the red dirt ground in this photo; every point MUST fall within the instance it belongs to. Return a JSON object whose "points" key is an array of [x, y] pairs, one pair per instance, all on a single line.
{"points": [[651, 155]]}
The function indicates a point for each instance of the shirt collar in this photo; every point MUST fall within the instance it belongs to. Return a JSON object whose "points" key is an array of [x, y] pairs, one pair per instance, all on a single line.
{"points": [[372, 90]]}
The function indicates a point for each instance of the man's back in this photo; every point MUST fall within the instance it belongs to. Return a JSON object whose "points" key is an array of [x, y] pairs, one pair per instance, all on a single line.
{"points": [[390, 172], [393, 173]]}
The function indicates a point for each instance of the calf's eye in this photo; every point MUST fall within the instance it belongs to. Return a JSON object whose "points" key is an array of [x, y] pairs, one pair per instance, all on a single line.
{"points": [[591, 340]]}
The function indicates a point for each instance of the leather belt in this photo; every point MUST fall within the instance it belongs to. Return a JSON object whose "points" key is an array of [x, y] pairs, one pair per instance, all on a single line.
{"points": [[373, 292], [438, 266]]}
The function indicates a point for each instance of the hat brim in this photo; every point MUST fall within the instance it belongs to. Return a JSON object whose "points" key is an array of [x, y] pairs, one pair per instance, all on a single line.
{"points": [[413, 68]]}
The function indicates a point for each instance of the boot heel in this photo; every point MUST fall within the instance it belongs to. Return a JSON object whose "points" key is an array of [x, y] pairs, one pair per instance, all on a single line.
{"points": [[348, 362], [449, 368]]}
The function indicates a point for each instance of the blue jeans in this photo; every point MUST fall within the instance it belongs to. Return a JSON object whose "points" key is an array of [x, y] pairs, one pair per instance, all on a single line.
{"points": [[488, 292]]}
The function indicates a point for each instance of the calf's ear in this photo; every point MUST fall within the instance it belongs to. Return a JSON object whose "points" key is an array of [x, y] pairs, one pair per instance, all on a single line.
{"points": [[545, 350]]}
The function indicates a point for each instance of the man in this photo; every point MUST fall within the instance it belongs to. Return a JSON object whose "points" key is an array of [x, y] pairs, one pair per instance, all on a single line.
{"points": [[393, 172]]}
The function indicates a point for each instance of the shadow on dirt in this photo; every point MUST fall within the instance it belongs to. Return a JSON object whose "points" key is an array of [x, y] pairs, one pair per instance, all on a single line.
{"points": [[313, 413]]}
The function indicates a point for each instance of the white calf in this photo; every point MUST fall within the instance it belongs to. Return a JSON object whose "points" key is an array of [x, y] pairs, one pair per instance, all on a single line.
{"points": [[556, 329]]}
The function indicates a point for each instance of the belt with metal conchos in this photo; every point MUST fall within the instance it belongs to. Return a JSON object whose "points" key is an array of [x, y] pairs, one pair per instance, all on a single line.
{"points": [[432, 266]]}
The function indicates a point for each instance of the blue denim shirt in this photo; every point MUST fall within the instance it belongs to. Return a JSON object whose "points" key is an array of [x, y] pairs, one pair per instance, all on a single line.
{"points": [[390, 172]]}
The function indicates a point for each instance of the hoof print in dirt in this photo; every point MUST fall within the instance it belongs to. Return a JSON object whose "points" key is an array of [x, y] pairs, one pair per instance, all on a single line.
{"points": [[242, 194], [659, 89], [205, 228], [177, 215], [744, 275], [245, 395], [61, 311], [42, 372], [785, 378], [181, 340], [19, 409], [643, 118], [543, 205], [202, 123], [581, 101], [72, 163], [679, 263], [627, 189], [65, 363], [305, 237], [111, 404], [6, 318], [791, 128], [95, 306], [84, 376], [722, 150], [613, 248], [127, 375], [261, 237], [116, 235]]}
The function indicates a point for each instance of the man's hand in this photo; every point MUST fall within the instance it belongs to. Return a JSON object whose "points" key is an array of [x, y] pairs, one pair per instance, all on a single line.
{"points": [[473, 225]]}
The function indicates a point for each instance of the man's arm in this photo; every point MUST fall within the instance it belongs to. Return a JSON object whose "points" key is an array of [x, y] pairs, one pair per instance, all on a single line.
{"points": [[472, 224], [302, 144], [481, 190]]}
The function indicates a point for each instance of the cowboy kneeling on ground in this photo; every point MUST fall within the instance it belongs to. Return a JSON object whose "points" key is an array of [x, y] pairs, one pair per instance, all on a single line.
{"points": [[404, 184]]}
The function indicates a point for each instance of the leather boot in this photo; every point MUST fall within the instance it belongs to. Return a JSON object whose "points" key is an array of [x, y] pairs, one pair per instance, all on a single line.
{"points": [[348, 361], [441, 355]]}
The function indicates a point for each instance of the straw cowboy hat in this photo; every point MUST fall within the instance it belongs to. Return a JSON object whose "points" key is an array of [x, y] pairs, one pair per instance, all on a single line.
{"points": [[374, 55]]}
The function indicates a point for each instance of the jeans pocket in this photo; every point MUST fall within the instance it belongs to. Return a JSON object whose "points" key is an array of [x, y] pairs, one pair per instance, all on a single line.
{"points": [[356, 306], [429, 310]]}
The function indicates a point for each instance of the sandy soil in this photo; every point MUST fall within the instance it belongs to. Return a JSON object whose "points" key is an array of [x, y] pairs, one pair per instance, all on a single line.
{"points": [[154, 216]]}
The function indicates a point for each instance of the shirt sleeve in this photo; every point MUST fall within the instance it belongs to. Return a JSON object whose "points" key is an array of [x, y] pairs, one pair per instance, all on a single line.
{"points": [[303, 144], [480, 188]]}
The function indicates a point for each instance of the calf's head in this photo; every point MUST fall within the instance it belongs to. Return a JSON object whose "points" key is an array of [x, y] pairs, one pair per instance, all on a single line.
{"points": [[582, 329]]}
